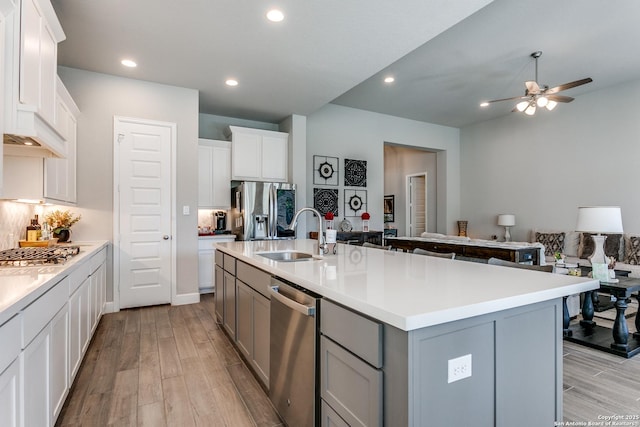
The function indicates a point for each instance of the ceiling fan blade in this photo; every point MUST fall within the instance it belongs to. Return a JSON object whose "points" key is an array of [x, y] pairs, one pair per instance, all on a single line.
{"points": [[532, 87], [569, 85], [559, 98], [507, 99]]}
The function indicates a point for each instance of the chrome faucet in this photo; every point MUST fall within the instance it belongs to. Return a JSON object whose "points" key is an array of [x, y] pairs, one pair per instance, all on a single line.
{"points": [[322, 246]]}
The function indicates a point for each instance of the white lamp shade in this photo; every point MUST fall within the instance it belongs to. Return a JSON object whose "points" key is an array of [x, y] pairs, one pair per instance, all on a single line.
{"points": [[507, 220], [599, 219]]}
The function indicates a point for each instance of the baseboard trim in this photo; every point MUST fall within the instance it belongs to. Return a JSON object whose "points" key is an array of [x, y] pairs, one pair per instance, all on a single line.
{"points": [[183, 299], [109, 307]]}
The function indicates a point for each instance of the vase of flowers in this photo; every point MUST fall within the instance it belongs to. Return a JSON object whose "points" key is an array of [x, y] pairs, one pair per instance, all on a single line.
{"points": [[60, 223]]}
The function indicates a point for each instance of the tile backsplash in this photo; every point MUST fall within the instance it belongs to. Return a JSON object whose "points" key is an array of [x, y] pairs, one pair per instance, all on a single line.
{"points": [[14, 218]]}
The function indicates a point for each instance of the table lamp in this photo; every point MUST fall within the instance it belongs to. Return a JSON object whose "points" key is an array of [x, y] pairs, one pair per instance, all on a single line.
{"points": [[597, 220], [507, 220]]}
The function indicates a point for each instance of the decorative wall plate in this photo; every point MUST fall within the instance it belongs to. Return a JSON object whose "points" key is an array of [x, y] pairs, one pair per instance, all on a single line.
{"points": [[325, 170], [325, 200], [355, 202], [345, 225], [355, 173]]}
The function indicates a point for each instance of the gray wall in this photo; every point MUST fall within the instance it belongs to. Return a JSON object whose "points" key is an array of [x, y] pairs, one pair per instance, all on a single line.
{"points": [[356, 134], [400, 162], [100, 97], [542, 168]]}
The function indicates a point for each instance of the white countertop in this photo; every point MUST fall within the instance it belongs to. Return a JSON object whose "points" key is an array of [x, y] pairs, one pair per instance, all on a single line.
{"points": [[405, 290], [20, 286], [216, 236]]}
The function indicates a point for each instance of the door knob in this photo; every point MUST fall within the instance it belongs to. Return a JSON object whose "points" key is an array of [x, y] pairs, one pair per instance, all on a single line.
{"points": [[165, 237]]}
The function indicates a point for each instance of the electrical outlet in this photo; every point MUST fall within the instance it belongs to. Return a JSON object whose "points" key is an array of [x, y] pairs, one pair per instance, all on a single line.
{"points": [[459, 368]]}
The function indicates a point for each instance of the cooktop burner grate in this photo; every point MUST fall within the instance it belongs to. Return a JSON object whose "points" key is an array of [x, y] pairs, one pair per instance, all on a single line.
{"points": [[21, 257]]}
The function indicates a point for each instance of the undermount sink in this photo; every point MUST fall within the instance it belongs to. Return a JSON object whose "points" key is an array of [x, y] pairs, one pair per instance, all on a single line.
{"points": [[287, 256]]}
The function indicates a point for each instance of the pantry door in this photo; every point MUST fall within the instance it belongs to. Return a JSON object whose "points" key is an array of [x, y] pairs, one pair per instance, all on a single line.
{"points": [[143, 224]]}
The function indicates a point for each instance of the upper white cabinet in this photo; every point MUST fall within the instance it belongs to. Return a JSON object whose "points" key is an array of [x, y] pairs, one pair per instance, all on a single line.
{"points": [[258, 155], [60, 174], [32, 33], [214, 174]]}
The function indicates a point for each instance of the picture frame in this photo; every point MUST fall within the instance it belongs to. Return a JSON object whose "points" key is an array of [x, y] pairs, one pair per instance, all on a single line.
{"points": [[389, 208]]}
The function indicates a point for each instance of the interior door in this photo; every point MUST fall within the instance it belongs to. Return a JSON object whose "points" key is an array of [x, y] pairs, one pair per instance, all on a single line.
{"points": [[144, 203], [417, 205]]}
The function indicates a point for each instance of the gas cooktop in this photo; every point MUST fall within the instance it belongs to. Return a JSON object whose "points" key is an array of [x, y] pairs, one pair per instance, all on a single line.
{"points": [[36, 256]]}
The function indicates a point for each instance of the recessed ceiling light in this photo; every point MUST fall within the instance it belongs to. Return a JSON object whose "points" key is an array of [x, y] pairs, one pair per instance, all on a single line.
{"points": [[231, 82], [275, 15], [129, 63], [389, 79], [484, 104]]}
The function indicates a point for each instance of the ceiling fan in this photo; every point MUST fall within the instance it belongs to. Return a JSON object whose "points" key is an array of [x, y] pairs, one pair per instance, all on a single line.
{"points": [[536, 95]]}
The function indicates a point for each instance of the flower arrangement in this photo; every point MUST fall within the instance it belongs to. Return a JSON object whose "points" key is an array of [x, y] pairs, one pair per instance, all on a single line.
{"points": [[366, 216], [328, 216], [61, 220]]}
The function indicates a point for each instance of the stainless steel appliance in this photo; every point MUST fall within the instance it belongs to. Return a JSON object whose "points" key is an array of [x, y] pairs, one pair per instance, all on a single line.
{"points": [[221, 220], [293, 378], [262, 210]]}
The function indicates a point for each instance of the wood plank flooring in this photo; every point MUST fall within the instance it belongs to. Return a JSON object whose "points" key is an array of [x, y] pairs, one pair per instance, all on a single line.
{"points": [[165, 366], [173, 366]]}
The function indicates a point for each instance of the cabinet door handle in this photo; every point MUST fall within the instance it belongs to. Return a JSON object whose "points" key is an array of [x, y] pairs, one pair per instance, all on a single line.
{"points": [[165, 237]]}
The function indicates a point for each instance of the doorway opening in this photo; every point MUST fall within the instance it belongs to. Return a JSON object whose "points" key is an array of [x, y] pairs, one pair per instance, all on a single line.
{"points": [[401, 163]]}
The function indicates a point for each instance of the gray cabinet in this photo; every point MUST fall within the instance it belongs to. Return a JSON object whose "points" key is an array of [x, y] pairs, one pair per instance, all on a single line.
{"points": [[351, 375], [254, 318], [330, 418], [242, 306], [219, 293]]}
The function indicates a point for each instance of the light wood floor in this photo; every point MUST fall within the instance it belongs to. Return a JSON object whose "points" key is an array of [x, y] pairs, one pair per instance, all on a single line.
{"points": [[165, 366], [173, 366]]}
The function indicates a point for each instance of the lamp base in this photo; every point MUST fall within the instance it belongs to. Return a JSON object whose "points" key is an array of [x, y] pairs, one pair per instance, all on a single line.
{"points": [[507, 235]]}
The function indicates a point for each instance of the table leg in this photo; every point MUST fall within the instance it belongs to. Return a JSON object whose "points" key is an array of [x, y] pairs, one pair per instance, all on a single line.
{"points": [[620, 329], [587, 311], [636, 334], [566, 319]]}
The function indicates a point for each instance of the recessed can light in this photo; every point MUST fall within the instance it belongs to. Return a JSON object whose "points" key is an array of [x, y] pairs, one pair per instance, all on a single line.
{"points": [[389, 79], [275, 15], [231, 82], [129, 63], [484, 104]]}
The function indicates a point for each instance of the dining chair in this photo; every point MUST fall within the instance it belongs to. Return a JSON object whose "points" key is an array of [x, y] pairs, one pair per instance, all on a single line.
{"points": [[449, 255]]}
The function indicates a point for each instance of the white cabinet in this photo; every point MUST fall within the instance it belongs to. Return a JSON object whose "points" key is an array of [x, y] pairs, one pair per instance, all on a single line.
{"points": [[78, 326], [214, 174], [206, 261], [60, 174], [10, 395], [35, 380], [59, 362], [10, 363], [259, 155], [32, 33]]}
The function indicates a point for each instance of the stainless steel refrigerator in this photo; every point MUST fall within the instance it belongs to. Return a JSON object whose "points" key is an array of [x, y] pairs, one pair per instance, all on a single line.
{"points": [[262, 210]]}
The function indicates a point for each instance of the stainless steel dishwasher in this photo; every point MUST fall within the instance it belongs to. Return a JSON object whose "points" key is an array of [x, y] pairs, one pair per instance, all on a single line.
{"points": [[294, 337]]}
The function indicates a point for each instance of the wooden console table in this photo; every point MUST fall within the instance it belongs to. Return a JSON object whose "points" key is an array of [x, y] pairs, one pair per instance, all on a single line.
{"points": [[463, 249], [595, 336], [354, 237]]}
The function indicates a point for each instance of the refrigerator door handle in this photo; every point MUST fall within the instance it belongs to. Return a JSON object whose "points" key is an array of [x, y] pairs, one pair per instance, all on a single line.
{"points": [[273, 212]]}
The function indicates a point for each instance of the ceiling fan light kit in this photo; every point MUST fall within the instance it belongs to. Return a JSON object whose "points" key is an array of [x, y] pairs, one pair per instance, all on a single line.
{"points": [[537, 96]]}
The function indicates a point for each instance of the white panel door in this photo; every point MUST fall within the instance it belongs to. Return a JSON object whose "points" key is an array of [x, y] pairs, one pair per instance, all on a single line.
{"points": [[417, 205], [145, 223]]}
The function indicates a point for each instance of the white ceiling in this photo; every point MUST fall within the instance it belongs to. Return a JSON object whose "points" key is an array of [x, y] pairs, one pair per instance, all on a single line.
{"points": [[332, 50]]}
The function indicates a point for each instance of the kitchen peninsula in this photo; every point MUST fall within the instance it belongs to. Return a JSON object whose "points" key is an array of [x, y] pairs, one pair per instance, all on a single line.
{"points": [[428, 341]]}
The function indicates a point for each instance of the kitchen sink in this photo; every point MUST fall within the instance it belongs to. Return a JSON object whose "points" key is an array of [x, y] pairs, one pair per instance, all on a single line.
{"points": [[288, 256]]}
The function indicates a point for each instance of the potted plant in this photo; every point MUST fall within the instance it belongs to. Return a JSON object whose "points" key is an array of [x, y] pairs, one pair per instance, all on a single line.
{"points": [[60, 223], [365, 221]]}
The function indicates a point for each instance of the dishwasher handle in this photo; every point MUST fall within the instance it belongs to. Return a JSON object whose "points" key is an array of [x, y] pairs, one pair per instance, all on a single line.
{"points": [[300, 308]]}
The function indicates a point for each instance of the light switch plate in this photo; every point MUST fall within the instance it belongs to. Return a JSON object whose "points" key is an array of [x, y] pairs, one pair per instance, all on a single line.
{"points": [[459, 368], [186, 210]]}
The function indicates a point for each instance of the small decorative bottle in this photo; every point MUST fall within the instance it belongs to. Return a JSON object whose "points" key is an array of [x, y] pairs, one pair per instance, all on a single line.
{"points": [[328, 220], [365, 221]]}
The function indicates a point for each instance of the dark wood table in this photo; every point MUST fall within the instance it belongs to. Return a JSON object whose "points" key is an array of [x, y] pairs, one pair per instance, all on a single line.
{"points": [[468, 249], [588, 333]]}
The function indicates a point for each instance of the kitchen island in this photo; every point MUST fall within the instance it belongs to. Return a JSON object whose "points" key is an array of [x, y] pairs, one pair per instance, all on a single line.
{"points": [[458, 343]]}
